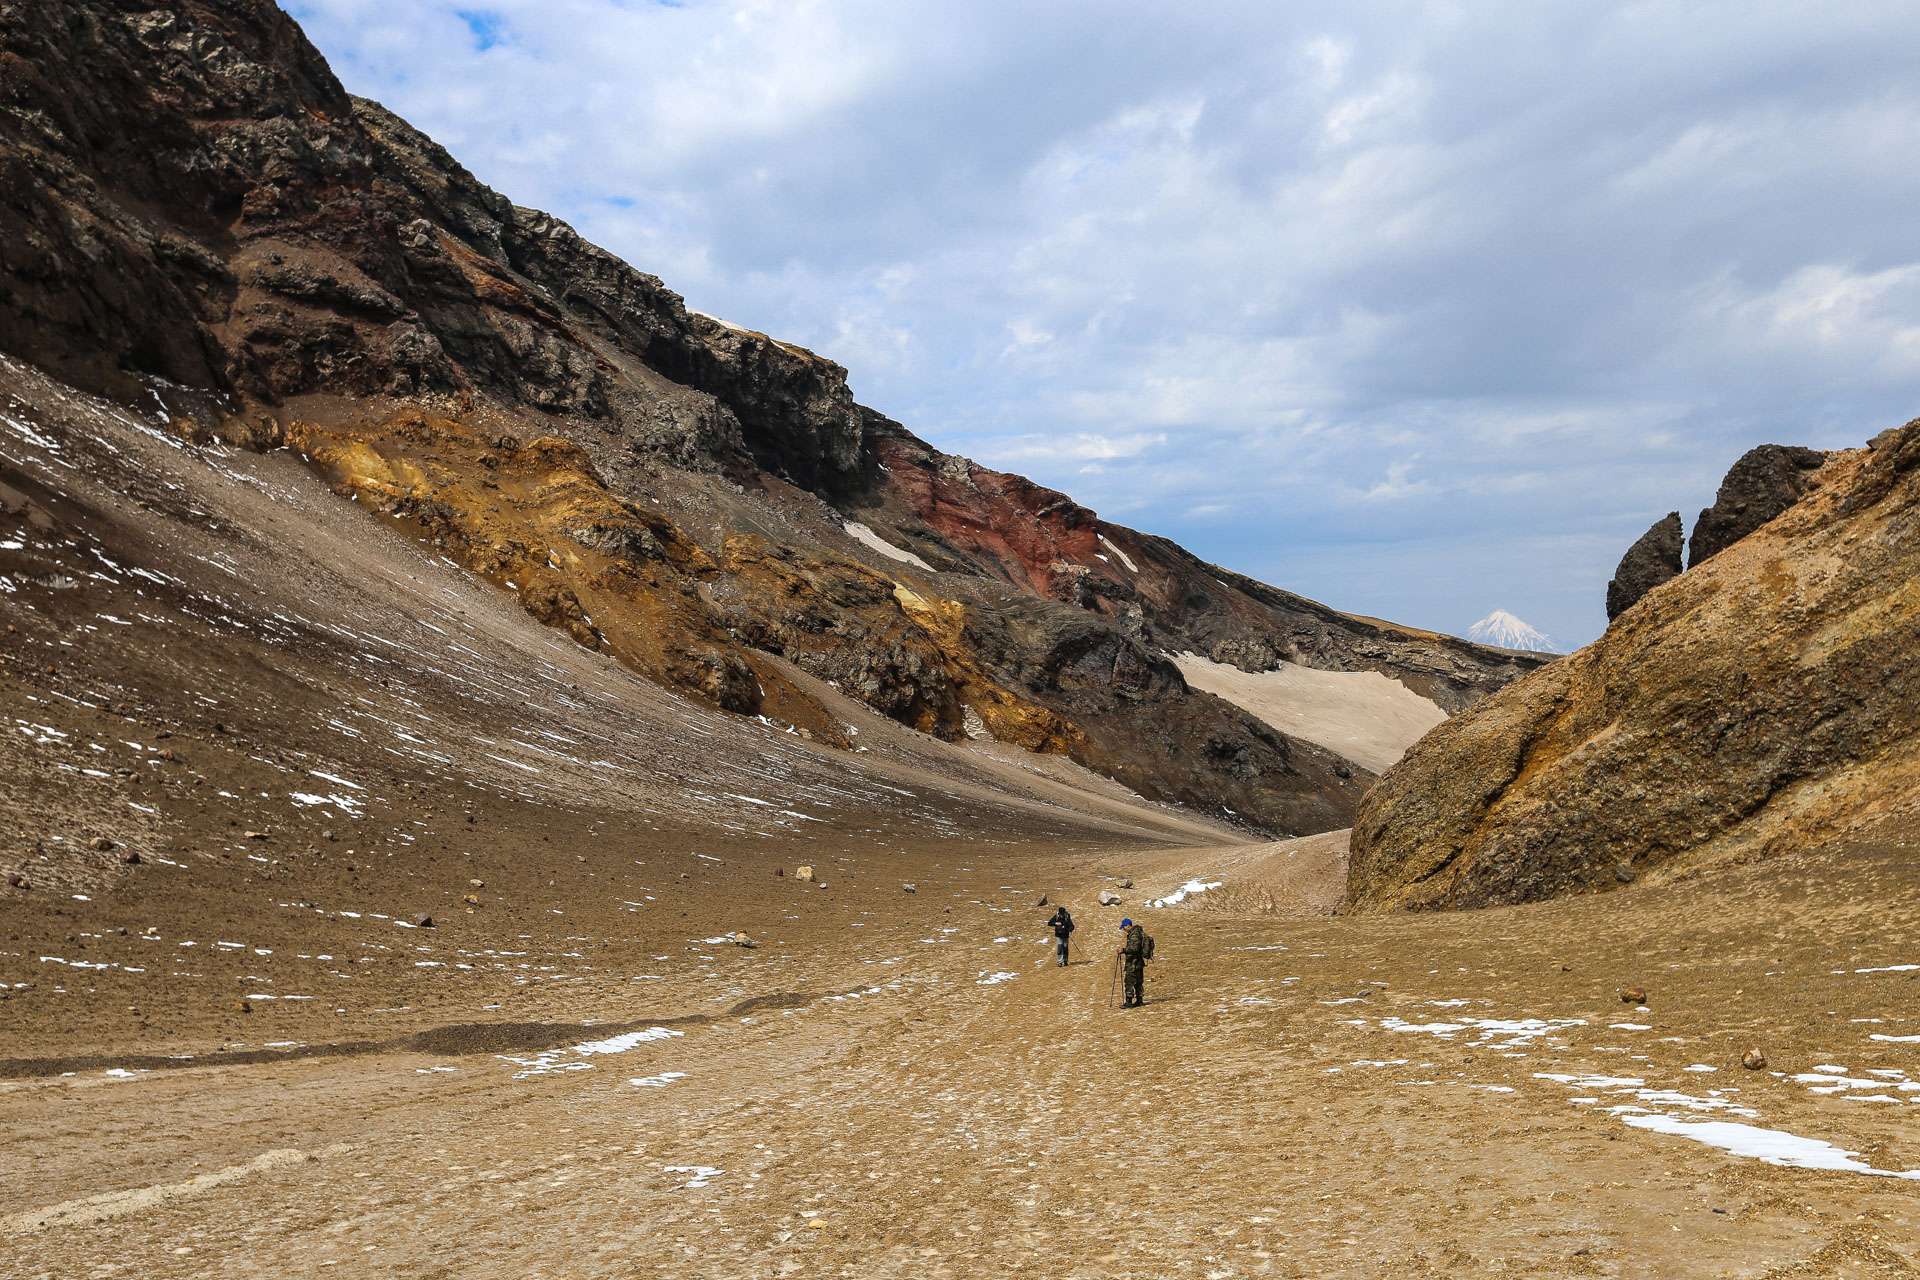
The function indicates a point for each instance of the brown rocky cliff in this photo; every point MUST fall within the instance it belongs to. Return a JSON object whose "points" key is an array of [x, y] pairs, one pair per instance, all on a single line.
{"points": [[190, 198], [1762, 701]]}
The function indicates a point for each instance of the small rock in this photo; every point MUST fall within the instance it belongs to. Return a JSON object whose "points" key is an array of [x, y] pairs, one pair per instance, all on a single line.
{"points": [[804, 875], [1125, 882], [256, 835], [1753, 1059], [478, 884], [907, 888], [1623, 873], [780, 871], [163, 735], [473, 899], [741, 940], [100, 844], [328, 835], [242, 1006], [130, 857], [1634, 995], [424, 922], [1042, 902], [1108, 898], [18, 881]]}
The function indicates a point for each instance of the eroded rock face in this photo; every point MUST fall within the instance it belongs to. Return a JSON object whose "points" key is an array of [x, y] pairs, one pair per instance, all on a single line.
{"points": [[1763, 483], [188, 194], [1764, 700], [1654, 559], [958, 515]]}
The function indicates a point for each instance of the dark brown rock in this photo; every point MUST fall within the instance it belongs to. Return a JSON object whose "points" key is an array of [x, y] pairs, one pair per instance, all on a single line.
{"points": [[1654, 559], [1765, 482]]}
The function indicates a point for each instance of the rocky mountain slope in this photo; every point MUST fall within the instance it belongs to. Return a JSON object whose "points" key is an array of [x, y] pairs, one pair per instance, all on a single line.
{"points": [[1762, 701], [190, 203]]}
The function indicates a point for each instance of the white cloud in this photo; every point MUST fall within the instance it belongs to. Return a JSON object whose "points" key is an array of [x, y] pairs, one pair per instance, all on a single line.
{"points": [[1395, 305]]}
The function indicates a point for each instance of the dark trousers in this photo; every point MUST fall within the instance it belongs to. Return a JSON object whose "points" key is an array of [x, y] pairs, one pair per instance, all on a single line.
{"points": [[1136, 981], [1060, 948]]}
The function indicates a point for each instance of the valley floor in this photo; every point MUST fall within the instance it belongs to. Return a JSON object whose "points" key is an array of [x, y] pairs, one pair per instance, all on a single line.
{"points": [[1454, 1096]]}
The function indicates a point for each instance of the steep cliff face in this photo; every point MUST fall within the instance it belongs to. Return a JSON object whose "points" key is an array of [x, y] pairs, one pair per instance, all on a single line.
{"points": [[1762, 701], [189, 199]]}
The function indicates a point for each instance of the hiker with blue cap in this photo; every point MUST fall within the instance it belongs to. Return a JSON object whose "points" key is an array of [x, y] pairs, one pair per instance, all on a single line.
{"points": [[1134, 954]]}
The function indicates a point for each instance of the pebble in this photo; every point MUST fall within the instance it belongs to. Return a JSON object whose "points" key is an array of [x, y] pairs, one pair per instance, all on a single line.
{"points": [[1125, 882], [1634, 995], [242, 1006], [101, 844], [1753, 1059], [256, 835], [424, 922], [19, 881], [803, 874], [1108, 898], [130, 857], [907, 888]]}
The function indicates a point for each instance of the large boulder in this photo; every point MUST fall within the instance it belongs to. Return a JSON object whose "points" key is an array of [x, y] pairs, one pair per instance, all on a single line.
{"points": [[1766, 481], [1648, 563]]}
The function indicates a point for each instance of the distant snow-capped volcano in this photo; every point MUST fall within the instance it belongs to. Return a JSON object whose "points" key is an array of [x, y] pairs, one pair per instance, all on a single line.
{"points": [[1503, 629]]}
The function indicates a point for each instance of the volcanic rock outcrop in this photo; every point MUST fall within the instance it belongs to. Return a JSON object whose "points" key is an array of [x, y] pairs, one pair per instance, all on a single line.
{"points": [[1764, 482], [194, 212], [1654, 559], [1763, 701]]}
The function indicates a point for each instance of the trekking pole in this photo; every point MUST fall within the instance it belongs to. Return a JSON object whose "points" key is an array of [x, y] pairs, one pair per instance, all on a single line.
{"points": [[1116, 979]]}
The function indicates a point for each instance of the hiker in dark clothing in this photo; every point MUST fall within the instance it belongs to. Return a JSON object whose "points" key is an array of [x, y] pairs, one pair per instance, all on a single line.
{"points": [[1134, 953], [1062, 925]]}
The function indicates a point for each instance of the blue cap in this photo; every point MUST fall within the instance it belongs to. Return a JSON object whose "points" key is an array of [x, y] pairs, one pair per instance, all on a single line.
{"points": [[1127, 923]]}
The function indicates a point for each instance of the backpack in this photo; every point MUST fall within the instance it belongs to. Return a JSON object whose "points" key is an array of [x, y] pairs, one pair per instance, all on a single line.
{"points": [[1149, 952], [1066, 918]]}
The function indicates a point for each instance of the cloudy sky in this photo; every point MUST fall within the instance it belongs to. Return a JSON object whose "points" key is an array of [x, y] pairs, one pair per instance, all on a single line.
{"points": [[1420, 309]]}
